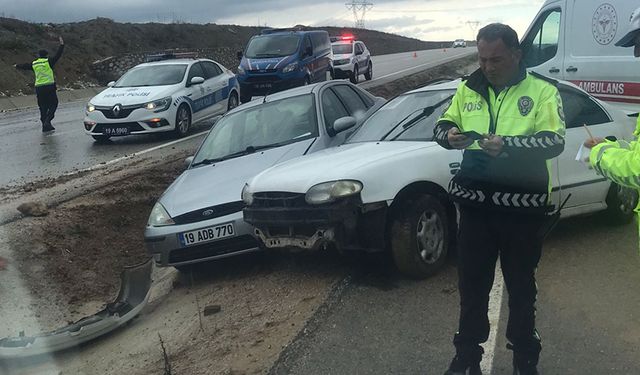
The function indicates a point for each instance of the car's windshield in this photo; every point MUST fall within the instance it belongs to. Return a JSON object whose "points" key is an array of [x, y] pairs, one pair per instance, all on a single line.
{"points": [[154, 75], [342, 49], [400, 119], [272, 46], [283, 121]]}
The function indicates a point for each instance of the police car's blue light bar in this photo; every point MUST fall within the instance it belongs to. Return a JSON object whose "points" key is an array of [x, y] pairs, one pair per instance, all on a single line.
{"points": [[170, 56]]}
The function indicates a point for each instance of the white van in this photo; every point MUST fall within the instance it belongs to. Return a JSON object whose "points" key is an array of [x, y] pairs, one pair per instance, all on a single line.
{"points": [[574, 40]]}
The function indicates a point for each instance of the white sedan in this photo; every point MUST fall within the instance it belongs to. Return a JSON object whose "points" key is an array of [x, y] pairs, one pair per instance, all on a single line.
{"points": [[386, 187], [162, 96]]}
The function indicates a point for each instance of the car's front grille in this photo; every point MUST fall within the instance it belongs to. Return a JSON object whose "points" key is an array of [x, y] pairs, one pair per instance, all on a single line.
{"points": [[209, 213], [278, 199], [261, 79], [211, 249], [123, 113], [132, 126]]}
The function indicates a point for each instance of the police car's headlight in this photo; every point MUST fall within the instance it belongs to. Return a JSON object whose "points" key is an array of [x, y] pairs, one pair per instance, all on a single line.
{"points": [[159, 217], [159, 105], [240, 70], [90, 107], [247, 196], [290, 68], [328, 192]]}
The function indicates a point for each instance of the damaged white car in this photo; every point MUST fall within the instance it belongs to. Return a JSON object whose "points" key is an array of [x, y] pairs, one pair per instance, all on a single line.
{"points": [[386, 187]]}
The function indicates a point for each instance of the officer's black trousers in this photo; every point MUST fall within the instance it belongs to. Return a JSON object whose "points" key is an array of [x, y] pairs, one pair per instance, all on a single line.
{"points": [[484, 235], [48, 103]]}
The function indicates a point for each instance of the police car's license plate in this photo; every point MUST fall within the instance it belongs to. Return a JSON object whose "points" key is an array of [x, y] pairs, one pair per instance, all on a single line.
{"points": [[207, 234], [263, 85], [120, 130]]}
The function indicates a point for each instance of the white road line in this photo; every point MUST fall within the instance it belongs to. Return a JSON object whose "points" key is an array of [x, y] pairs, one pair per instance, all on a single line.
{"points": [[495, 305], [416, 67], [138, 153]]}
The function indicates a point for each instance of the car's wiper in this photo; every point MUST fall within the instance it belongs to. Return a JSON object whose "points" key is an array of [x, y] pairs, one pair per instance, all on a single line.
{"points": [[246, 151], [426, 112]]}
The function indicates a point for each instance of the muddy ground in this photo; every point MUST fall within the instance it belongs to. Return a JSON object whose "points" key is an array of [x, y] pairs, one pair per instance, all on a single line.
{"points": [[69, 262]]}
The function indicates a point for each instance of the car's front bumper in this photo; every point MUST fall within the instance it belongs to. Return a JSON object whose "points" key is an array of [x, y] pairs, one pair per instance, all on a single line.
{"points": [[343, 71], [347, 224], [163, 243], [138, 121], [262, 84]]}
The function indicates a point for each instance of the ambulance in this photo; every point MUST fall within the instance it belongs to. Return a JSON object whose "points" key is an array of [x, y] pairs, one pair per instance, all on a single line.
{"points": [[574, 40]]}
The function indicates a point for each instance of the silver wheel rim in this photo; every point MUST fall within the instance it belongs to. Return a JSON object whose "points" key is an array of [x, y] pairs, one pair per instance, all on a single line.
{"points": [[183, 120], [233, 102], [628, 199], [430, 236]]}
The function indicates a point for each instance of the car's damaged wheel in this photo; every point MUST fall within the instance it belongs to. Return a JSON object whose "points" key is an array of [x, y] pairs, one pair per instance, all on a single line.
{"points": [[419, 236]]}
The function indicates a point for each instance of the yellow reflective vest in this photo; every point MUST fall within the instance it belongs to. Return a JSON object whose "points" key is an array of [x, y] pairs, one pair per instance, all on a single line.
{"points": [[43, 72], [618, 163], [528, 115]]}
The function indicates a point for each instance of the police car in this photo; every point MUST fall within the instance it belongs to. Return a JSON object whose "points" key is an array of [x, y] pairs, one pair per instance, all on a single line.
{"points": [[459, 43], [351, 58], [162, 96], [385, 188]]}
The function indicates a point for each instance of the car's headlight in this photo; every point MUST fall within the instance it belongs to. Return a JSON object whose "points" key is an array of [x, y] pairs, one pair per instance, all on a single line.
{"points": [[290, 68], [159, 217], [159, 105], [247, 196], [90, 107], [328, 192], [240, 70]]}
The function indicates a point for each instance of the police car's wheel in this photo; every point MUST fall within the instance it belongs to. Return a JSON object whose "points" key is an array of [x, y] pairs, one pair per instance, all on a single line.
{"points": [[183, 121], [233, 101], [355, 75], [101, 138], [419, 236], [369, 74], [621, 202]]}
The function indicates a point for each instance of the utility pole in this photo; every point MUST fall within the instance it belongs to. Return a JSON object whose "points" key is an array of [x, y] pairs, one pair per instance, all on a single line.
{"points": [[359, 8], [474, 27]]}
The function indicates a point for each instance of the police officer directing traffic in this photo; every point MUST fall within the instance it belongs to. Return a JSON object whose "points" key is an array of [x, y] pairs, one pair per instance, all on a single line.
{"points": [[620, 164], [45, 84], [510, 123]]}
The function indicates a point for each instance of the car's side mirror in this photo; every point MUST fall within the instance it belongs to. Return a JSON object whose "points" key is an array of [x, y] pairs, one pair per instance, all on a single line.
{"points": [[197, 80], [110, 84], [239, 55], [188, 161], [344, 123]]}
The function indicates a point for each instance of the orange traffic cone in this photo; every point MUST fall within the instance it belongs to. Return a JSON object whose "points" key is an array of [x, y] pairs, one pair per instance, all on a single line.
{"points": [[415, 55]]}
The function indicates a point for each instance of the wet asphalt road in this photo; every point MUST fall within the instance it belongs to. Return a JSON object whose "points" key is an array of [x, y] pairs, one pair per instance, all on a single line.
{"points": [[27, 155], [588, 314]]}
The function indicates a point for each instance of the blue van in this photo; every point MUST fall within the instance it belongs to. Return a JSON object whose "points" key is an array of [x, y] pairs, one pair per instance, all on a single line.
{"points": [[279, 59]]}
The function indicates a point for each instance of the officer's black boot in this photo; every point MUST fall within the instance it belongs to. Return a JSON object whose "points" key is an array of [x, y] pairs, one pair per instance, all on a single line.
{"points": [[466, 361], [525, 357]]}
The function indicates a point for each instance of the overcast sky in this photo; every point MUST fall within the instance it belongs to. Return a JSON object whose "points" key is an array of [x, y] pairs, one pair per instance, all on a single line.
{"points": [[425, 19]]}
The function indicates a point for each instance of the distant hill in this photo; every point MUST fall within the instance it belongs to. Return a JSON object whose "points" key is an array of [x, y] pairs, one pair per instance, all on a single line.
{"points": [[100, 38]]}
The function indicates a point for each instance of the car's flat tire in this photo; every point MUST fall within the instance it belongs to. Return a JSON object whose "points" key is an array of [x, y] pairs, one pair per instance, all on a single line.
{"points": [[419, 236], [183, 121], [621, 203]]}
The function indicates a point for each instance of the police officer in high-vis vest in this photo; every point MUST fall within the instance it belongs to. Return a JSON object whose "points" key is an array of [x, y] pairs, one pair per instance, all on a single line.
{"points": [[510, 124], [45, 84], [612, 159]]}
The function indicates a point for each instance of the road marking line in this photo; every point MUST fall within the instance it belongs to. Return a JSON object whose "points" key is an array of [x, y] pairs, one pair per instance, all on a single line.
{"points": [[138, 153], [417, 66], [495, 305]]}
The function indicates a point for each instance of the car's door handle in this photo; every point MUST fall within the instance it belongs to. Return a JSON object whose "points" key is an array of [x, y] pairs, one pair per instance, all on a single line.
{"points": [[572, 69], [189, 94], [554, 70]]}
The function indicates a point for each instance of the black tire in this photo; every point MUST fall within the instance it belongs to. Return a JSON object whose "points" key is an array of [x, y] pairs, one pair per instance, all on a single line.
{"points": [[233, 101], [621, 202], [420, 256], [369, 74], [183, 121], [355, 75], [101, 138]]}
